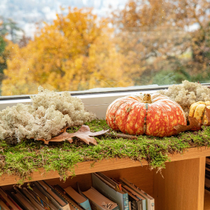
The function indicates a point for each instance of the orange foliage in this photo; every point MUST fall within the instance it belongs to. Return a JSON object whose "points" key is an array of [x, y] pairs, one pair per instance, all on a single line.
{"points": [[76, 52], [155, 33]]}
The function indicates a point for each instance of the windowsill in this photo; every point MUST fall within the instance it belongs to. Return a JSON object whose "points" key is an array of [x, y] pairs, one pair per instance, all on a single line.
{"points": [[95, 100]]}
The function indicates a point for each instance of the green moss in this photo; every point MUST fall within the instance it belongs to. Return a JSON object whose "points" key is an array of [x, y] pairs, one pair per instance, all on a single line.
{"points": [[30, 155]]}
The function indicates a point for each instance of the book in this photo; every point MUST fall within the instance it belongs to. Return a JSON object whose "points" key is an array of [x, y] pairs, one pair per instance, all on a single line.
{"points": [[22, 200], [72, 203], [41, 197], [207, 182], [3, 205], [80, 199], [33, 199], [129, 205], [149, 199], [110, 189], [133, 202], [139, 201], [51, 191], [12, 198], [207, 185], [99, 201], [207, 173], [51, 194], [6, 199], [208, 163]]}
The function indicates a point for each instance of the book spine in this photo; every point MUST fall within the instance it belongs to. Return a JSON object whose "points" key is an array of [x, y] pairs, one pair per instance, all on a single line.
{"points": [[117, 208], [66, 198], [140, 205], [152, 204], [144, 204], [125, 201], [86, 205]]}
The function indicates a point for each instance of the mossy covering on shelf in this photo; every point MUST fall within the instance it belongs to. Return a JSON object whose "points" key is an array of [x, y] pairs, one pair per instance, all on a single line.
{"points": [[28, 156]]}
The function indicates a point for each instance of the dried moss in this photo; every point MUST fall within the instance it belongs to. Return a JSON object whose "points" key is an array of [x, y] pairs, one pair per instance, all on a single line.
{"points": [[44, 118], [187, 93], [30, 155]]}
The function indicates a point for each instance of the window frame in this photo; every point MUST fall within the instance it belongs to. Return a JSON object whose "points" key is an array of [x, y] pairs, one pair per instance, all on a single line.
{"points": [[95, 100]]}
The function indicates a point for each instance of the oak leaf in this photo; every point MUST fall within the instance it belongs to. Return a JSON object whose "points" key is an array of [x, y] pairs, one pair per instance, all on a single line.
{"points": [[194, 124], [83, 134], [208, 116]]}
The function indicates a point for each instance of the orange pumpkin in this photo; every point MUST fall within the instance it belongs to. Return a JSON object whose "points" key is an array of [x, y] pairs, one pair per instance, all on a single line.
{"points": [[154, 115]]}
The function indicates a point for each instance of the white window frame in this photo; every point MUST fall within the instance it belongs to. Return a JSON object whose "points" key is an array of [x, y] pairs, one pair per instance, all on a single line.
{"points": [[96, 100]]}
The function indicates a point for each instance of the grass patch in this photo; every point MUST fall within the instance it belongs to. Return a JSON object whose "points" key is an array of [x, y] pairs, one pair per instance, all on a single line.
{"points": [[30, 155]]}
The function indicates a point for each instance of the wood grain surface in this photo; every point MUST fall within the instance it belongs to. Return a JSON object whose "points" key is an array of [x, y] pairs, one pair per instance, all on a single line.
{"points": [[181, 185], [104, 165]]}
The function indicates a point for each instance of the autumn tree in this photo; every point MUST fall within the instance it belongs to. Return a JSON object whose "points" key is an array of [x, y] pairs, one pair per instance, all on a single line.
{"points": [[76, 52], [8, 28], [157, 35]]}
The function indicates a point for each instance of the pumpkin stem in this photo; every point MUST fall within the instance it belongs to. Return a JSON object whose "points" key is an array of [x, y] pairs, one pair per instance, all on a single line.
{"points": [[147, 98]]}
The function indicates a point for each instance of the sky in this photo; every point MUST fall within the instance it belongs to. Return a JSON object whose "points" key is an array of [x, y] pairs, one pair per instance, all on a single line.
{"points": [[26, 13]]}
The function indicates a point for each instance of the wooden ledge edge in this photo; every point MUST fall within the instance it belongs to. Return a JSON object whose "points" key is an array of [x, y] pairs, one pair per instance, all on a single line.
{"points": [[104, 165], [191, 153]]}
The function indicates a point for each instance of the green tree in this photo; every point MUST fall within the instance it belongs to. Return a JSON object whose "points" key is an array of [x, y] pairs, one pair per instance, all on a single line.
{"points": [[2, 56], [10, 27]]}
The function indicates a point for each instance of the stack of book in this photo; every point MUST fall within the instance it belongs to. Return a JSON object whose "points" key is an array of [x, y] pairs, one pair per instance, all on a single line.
{"points": [[207, 177], [39, 196], [123, 192], [104, 194]]}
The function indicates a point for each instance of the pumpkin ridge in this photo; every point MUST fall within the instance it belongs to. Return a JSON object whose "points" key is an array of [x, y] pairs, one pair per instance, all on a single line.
{"points": [[145, 118], [121, 117], [177, 117], [111, 112], [138, 121], [130, 124], [165, 107], [117, 108], [153, 120]]}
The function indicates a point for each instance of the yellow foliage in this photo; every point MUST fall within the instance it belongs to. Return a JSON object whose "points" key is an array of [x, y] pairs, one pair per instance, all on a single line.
{"points": [[76, 52], [155, 36]]}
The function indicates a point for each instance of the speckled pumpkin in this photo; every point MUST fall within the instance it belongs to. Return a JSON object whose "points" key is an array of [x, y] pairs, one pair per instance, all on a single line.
{"points": [[154, 115], [198, 111]]}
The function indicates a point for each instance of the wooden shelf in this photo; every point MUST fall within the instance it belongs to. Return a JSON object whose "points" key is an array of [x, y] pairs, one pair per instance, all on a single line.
{"points": [[178, 187], [104, 165]]}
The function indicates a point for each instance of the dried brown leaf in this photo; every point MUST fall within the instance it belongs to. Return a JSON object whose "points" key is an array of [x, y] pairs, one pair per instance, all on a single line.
{"points": [[208, 116], [83, 134], [194, 124]]}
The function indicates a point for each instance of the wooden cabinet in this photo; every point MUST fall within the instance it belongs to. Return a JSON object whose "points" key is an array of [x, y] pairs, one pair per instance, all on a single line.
{"points": [[178, 187]]}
